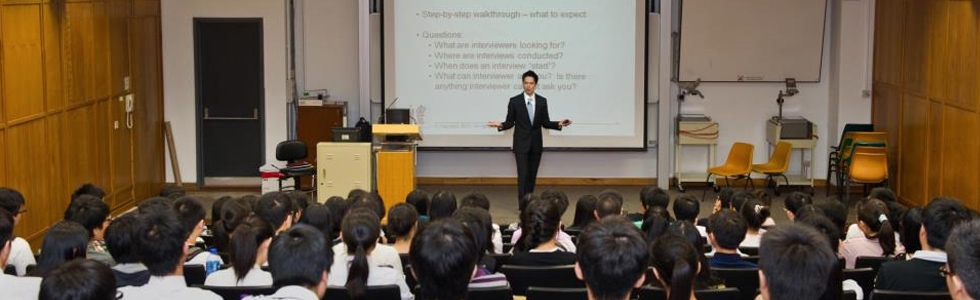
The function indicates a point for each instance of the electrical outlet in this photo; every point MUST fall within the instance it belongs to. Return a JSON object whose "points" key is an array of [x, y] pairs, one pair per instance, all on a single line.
{"points": [[126, 83], [115, 124], [866, 93]]}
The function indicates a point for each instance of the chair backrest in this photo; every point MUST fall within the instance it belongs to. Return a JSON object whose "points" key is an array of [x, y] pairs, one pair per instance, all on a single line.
{"points": [[868, 167], [752, 259], [502, 259], [780, 157], [507, 247], [863, 137], [409, 277], [657, 293], [849, 127], [521, 277], [239, 292], [544, 293], [745, 280], [873, 262], [490, 293], [379, 292], [741, 156], [289, 151], [10, 270], [850, 295], [906, 295], [865, 277], [751, 251], [194, 274]]}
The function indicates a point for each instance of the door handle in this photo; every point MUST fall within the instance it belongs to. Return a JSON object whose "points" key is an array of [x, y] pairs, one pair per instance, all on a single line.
{"points": [[255, 116]]}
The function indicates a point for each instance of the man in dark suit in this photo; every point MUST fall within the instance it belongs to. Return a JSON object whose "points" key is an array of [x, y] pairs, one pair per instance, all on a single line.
{"points": [[528, 113]]}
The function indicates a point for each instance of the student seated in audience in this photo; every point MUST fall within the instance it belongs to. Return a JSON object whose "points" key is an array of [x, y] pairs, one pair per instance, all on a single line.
{"points": [[794, 201], [584, 209], [173, 192], [13, 287], [654, 226], [162, 249], [763, 196], [382, 255], [249, 251], [155, 204], [403, 224], [939, 218], [442, 205], [726, 230], [650, 197], [20, 250], [319, 216], [795, 263], [755, 213], [962, 268], [420, 200], [481, 201], [444, 258], [563, 239], [687, 208], [89, 190], [890, 200], [65, 241], [878, 238], [93, 214], [338, 209], [121, 238], [723, 201], [816, 220], [608, 206], [478, 221], [79, 279], [190, 213], [276, 209], [352, 268], [908, 233], [300, 202], [538, 245], [299, 260], [613, 259], [836, 211], [675, 264], [705, 278], [233, 213]]}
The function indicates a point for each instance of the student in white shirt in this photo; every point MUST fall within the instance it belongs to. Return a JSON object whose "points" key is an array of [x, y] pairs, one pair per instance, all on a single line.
{"points": [[360, 230], [20, 251], [163, 250], [755, 213], [481, 201], [249, 250], [190, 213], [299, 260], [93, 214], [65, 241], [403, 224], [13, 287], [79, 279]]}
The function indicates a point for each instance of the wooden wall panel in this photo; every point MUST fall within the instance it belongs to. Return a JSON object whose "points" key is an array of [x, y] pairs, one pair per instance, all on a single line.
{"points": [[100, 39], [22, 68], [961, 147], [3, 157], [962, 83], [935, 142], [56, 155], [890, 29], [79, 51], [26, 151], [936, 56], [80, 146], [118, 17], [103, 160], [886, 116], [148, 162], [51, 16], [915, 133], [914, 49]]}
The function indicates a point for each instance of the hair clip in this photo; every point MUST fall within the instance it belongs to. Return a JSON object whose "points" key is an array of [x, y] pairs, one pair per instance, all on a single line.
{"points": [[882, 218]]}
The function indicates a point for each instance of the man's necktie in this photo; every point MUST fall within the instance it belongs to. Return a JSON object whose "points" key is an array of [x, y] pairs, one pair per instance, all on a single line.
{"points": [[530, 111]]}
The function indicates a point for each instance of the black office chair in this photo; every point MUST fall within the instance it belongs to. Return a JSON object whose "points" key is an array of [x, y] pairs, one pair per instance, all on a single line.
{"points": [[522, 277], [865, 277], [195, 274], [906, 295], [745, 280], [873, 262], [294, 153], [239, 292], [380, 292], [544, 293], [491, 293]]}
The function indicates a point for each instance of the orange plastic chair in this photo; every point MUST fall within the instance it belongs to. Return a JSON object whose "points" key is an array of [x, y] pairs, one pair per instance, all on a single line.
{"points": [[868, 166], [737, 166], [777, 165]]}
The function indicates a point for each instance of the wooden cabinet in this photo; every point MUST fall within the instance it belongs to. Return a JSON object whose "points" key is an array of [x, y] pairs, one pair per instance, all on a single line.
{"points": [[314, 124]]}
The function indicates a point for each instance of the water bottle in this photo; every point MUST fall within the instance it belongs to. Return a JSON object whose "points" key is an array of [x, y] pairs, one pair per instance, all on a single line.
{"points": [[213, 263]]}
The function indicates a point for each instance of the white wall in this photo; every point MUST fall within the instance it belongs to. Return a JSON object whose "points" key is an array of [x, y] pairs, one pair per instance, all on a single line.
{"points": [[331, 50], [178, 70]]}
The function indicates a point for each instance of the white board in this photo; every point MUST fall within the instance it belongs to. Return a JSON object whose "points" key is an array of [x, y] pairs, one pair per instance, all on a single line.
{"points": [[751, 40]]}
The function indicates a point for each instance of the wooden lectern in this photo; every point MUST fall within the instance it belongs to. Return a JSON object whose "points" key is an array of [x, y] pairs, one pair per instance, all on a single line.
{"points": [[396, 160]]}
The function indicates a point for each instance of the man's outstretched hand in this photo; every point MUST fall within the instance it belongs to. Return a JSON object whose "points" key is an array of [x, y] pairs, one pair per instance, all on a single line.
{"points": [[565, 122], [494, 124]]}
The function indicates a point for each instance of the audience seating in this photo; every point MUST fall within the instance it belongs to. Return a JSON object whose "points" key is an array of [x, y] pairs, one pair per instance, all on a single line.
{"points": [[906, 295], [738, 165], [522, 277], [381, 292], [873, 262], [10, 270], [776, 166], [195, 274], [507, 247], [868, 165], [409, 277], [846, 138], [502, 259], [30, 270], [750, 251], [745, 280], [865, 277], [752, 259], [239, 292], [293, 153], [657, 293], [543, 293], [850, 295], [493, 293]]}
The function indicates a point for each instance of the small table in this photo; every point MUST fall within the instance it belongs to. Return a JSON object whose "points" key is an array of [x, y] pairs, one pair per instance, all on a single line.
{"points": [[805, 178], [696, 130]]}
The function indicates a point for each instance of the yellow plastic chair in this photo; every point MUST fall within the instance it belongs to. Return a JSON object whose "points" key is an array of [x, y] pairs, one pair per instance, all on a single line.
{"points": [[868, 166], [737, 166], [777, 165], [843, 156]]}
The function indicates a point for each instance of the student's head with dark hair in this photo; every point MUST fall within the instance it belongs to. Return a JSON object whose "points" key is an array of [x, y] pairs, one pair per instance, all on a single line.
{"points": [[726, 230], [367, 201], [216, 208], [79, 279], [540, 222], [836, 211], [233, 213], [823, 225], [963, 261], [275, 208], [584, 211], [356, 193], [300, 202], [911, 225], [444, 258], [190, 212], [155, 205], [795, 262], [360, 228], [121, 238], [443, 205], [475, 200], [250, 201], [808, 210], [338, 209], [301, 256], [12, 201], [403, 221], [686, 208], [559, 197], [896, 210], [688, 231], [173, 192], [654, 226], [608, 206], [939, 217], [755, 213], [420, 199], [91, 212], [480, 223], [676, 265], [873, 221], [884, 194], [161, 245], [250, 245], [657, 210], [523, 202], [320, 217], [724, 200], [794, 201], [613, 194], [654, 196], [88, 189], [6, 233], [612, 257], [65, 241], [740, 198]]}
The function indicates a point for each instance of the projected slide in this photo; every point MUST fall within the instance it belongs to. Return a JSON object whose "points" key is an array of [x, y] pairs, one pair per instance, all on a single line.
{"points": [[455, 64]]}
